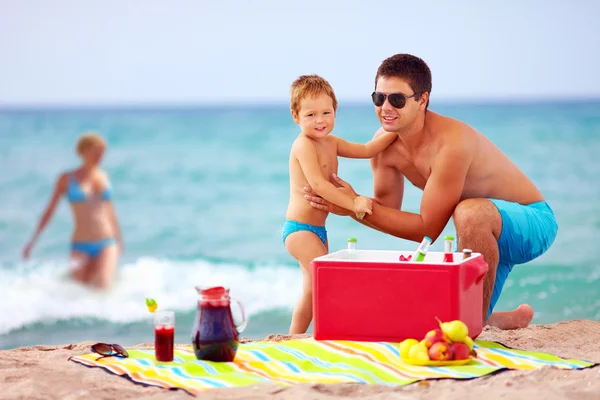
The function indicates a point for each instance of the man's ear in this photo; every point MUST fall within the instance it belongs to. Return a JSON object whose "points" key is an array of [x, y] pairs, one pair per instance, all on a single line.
{"points": [[295, 116], [424, 100]]}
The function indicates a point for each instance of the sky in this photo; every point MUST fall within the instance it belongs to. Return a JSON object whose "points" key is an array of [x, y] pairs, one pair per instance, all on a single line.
{"points": [[138, 52]]}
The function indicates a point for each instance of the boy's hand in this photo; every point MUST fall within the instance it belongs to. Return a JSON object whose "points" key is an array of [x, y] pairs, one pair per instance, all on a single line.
{"points": [[362, 205]]}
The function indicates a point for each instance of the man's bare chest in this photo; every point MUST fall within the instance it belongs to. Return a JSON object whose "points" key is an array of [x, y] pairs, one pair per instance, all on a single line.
{"points": [[416, 171]]}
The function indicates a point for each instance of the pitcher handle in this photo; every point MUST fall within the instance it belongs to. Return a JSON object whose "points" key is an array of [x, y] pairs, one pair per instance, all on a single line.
{"points": [[240, 328]]}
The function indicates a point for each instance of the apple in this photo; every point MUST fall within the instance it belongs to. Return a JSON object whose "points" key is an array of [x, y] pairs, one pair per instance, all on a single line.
{"points": [[434, 336], [440, 351], [460, 351]]}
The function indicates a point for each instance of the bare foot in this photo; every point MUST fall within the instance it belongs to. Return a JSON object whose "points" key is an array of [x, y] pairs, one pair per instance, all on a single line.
{"points": [[516, 319]]}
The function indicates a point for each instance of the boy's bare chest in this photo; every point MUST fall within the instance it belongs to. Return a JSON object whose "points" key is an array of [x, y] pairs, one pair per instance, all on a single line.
{"points": [[328, 161]]}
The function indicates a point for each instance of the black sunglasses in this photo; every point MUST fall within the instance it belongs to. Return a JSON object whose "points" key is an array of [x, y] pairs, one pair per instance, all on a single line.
{"points": [[397, 100], [109, 350]]}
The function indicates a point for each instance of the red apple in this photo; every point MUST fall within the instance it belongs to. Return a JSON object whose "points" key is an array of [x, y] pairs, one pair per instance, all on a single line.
{"points": [[440, 351], [460, 351], [434, 336]]}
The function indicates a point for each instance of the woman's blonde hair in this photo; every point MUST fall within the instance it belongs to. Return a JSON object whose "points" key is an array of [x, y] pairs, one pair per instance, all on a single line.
{"points": [[88, 140]]}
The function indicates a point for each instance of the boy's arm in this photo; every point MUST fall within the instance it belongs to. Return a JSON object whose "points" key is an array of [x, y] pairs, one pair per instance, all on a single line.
{"points": [[368, 150], [309, 162]]}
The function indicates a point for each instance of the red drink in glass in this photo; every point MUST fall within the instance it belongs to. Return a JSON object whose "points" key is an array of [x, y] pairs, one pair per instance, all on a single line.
{"points": [[164, 335], [164, 341]]}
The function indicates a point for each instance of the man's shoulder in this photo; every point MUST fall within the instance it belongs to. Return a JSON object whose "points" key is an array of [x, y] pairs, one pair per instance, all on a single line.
{"points": [[446, 124], [452, 131]]}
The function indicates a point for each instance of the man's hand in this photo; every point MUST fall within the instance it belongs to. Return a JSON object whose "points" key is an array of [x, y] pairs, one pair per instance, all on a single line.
{"points": [[320, 203]]}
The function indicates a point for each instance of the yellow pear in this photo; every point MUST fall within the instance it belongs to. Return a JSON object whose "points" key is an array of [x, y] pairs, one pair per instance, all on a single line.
{"points": [[469, 342], [418, 352], [456, 330], [405, 347]]}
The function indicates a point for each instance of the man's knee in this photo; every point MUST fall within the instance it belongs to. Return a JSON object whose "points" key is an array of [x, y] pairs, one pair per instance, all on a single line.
{"points": [[477, 215]]}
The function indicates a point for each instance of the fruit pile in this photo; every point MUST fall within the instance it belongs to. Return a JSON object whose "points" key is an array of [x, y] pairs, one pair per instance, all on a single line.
{"points": [[450, 342]]}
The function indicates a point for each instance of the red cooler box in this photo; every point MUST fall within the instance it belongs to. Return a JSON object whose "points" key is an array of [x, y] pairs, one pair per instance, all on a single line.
{"points": [[376, 297]]}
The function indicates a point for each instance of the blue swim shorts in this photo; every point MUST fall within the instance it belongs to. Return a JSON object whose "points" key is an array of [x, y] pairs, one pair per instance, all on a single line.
{"points": [[527, 232], [292, 226]]}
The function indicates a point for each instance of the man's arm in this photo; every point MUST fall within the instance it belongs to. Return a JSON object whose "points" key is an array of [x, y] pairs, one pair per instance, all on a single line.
{"points": [[368, 150], [441, 195], [388, 187]]}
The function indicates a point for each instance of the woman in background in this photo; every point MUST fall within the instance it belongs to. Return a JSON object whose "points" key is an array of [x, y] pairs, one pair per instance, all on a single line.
{"points": [[96, 241]]}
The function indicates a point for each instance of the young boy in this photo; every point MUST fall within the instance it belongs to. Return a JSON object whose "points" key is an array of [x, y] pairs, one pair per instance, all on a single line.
{"points": [[313, 160]]}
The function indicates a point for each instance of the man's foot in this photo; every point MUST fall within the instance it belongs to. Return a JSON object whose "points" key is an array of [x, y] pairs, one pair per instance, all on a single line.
{"points": [[516, 319]]}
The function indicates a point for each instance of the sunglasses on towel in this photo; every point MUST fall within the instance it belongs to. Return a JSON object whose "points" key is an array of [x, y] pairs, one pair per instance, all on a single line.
{"points": [[109, 350], [397, 100]]}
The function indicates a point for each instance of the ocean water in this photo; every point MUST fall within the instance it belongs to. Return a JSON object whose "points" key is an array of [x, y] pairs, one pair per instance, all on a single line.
{"points": [[201, 195]]}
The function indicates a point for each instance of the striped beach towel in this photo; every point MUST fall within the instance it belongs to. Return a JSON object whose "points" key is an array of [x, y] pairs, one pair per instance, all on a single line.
{"points": [[309, 360]]}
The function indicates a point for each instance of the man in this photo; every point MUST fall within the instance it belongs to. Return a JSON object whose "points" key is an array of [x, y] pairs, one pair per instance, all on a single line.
{"points": [[496, 209]]}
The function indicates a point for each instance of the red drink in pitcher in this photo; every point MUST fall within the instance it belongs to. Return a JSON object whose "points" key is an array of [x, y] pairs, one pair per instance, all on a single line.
{"points": [[164, 335], [215, 336]]}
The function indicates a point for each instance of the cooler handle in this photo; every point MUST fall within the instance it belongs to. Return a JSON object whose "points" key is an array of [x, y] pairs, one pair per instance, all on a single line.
{"points": [[474, 272]]}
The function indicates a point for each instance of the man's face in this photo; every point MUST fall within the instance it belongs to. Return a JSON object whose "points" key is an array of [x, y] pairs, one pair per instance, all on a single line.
{"points": [[396, 119], [316, 116]]}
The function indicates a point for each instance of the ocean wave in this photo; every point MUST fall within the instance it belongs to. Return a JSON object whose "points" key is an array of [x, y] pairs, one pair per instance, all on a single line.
{"points": [[42, 293]]}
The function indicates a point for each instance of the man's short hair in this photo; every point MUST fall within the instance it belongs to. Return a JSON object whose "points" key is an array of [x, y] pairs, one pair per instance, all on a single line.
{"points": [[410, 68]]}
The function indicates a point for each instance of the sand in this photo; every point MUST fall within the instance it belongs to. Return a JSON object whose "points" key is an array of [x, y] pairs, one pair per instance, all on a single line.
{"points": [[43, 372]]}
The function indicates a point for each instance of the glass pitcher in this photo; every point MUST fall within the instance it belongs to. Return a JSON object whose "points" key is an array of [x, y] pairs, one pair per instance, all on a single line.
{"points": [[215, 336]]}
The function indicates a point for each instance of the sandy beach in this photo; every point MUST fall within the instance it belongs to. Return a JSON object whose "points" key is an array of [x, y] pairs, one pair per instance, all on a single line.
{"points": [[44, 372]]}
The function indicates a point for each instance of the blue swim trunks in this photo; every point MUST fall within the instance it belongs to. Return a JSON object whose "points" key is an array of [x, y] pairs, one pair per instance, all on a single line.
{"points": [[527, 232], [292, 226], [92, 249]]}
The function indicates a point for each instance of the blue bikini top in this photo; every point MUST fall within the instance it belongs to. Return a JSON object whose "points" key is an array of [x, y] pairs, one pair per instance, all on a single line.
{"points": [[76, 195]]}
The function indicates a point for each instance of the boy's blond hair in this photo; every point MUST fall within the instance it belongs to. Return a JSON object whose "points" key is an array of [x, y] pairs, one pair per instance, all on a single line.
{"points": [[88, 140], [310, 86]]}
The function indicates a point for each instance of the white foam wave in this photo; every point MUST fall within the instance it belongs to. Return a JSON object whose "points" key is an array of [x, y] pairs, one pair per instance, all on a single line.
{"points": [[43, 293]]}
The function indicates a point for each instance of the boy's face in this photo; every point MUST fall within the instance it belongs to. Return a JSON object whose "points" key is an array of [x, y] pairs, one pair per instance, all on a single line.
{"points": [[316, 116]]}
